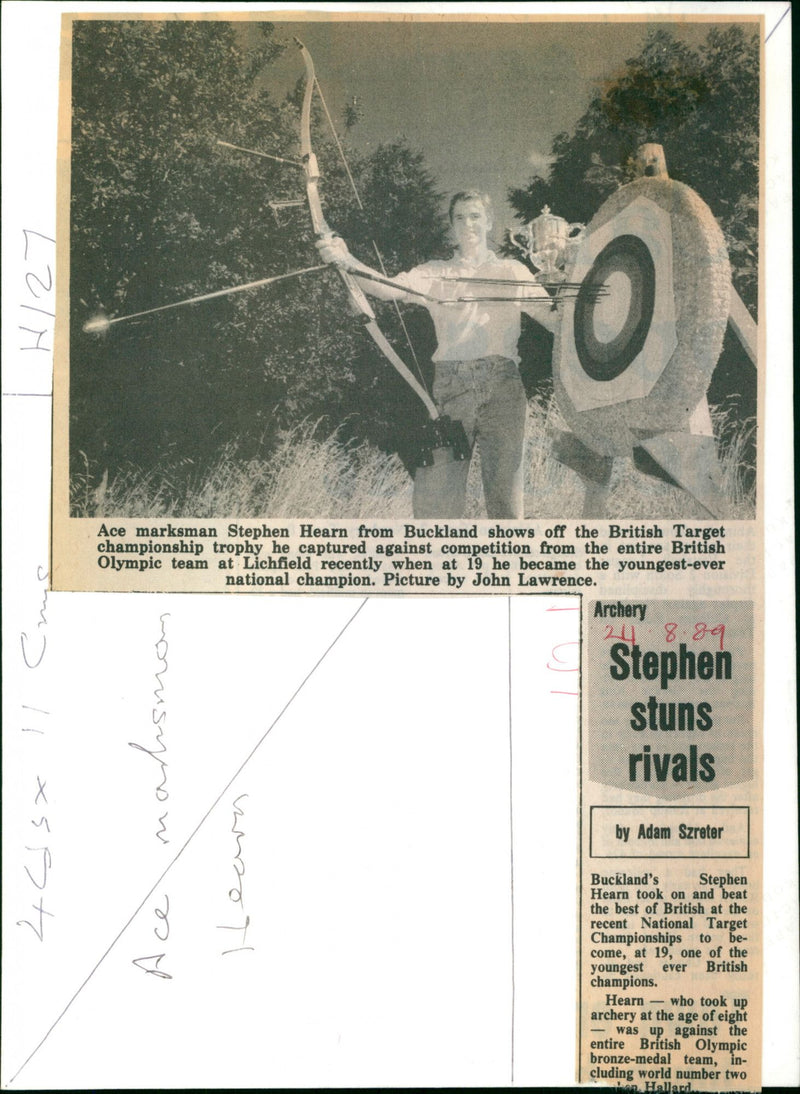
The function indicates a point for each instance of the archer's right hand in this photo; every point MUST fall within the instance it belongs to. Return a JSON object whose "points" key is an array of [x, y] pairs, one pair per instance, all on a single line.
{"points": [[333, 249]]}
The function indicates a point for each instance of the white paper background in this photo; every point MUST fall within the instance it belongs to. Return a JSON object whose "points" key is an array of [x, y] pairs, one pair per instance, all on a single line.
{"points": [[235, 661]]}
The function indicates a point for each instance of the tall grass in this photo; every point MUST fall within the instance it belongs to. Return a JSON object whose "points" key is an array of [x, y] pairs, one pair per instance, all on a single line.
{"points": [[320, 476]]}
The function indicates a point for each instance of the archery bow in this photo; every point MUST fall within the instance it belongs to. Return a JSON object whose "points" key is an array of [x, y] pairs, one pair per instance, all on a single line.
{"points": [[358, 301], [440, 431]]}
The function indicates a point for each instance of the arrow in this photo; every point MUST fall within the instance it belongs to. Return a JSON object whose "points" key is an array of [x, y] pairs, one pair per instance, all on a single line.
{"points": [[264, 155], [99, 324]]}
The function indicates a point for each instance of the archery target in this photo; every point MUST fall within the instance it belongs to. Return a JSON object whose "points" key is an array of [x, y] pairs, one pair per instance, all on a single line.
{"points": [[618, 344], [610, 330], [636, 348]]}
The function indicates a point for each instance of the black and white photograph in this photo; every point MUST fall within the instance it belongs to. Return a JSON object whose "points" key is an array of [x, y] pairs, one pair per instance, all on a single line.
{"points": [[419, 266]]}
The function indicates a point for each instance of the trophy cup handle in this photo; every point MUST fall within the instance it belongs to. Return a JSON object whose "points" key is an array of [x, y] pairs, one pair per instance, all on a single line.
{"points": [[521, 238], [573, 242]]}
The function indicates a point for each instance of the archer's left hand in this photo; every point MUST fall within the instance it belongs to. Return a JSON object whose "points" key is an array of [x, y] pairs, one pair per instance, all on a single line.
{"points": [[333, 249]]}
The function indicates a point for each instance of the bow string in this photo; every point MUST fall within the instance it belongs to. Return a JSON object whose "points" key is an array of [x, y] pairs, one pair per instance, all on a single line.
{"points": [[358, 301]]}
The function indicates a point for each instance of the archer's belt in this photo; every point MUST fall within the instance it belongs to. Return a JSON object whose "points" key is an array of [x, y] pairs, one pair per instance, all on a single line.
{"points": [[478, 380]]}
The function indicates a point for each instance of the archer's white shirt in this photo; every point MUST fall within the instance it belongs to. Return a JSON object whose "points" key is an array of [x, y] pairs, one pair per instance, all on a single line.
{"points": [[467, 331]]}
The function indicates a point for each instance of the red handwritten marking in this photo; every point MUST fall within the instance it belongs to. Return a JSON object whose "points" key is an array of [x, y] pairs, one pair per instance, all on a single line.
{"points": [[701, 631], [622, 636], [561, 660], [554, 654]]}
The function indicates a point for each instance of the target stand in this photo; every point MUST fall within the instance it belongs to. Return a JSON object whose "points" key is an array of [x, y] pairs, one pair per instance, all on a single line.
{"points": [[632, 364]]}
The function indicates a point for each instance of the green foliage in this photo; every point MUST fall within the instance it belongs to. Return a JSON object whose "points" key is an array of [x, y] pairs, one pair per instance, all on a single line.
{"points": [[160, 212], [702, 105]]}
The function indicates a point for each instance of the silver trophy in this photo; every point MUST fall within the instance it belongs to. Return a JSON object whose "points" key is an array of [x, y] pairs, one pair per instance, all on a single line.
{"points": [[550, 243]]}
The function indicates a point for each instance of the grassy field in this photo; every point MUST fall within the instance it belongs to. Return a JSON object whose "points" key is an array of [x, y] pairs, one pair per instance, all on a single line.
{"points": [[310, 476]]}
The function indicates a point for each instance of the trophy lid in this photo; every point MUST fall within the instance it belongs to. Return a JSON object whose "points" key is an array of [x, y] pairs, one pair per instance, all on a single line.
{"points": [[546, 216]]}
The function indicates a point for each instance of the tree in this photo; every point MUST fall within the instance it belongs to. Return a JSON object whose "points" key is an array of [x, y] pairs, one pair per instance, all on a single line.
{"points": [[702, 106], [151, 222], [159, 213]]}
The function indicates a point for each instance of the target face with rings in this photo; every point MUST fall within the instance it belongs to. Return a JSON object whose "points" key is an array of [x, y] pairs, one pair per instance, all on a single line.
{"points": [[636, 348], [619, 332], [609, 336]]}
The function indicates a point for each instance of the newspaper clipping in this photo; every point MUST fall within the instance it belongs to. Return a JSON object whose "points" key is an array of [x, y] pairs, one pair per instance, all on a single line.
{"points": [[441, 304]]}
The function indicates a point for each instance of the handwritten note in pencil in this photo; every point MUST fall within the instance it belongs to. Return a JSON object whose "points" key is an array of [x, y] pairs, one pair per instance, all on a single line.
{"points": [[300, 843]]}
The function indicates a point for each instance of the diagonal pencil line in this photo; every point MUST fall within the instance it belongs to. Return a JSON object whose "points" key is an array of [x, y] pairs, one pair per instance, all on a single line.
{"points": [[190, 837], [786, 12]]}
